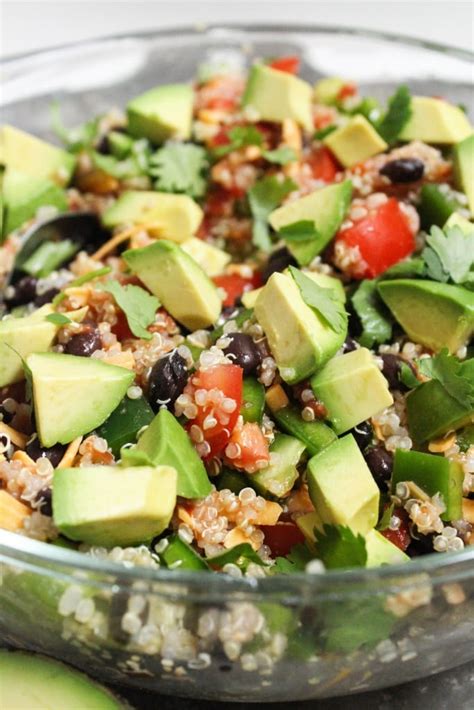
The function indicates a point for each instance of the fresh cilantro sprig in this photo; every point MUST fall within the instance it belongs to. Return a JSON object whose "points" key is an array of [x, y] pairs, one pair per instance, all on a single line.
{"points": [[280, 156], [302, 231], [407, 377], [240, 555], [373, 315], [58, 319], [295, 561], [322, 300], [397, 115], [449, 255], [180, 168], [264, 196], [78, 138], [134, 164], [338, 547], [385, 518], [450, 373], [239, 137], [137, 304]]}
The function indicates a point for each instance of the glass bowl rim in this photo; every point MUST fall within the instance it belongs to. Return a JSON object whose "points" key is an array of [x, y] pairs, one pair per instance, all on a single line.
{"points": [[37, 554]]}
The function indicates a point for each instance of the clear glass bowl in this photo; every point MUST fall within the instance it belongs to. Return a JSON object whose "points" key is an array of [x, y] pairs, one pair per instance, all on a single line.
{"points": [[213, 636]]}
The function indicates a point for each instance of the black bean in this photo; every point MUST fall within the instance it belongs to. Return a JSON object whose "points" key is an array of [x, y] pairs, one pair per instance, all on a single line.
{"points": [[392, 368], [420, 544], [85, 343], [46, 497], [24, 292], [380, 463], [167, 380], [349, 345], [363, 434], [243, 352], [403, 170], [5, 415], [46, 297], [279, 260], [53, 453]]}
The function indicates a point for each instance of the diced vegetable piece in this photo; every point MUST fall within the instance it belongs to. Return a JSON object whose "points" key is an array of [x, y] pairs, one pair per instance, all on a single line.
{"points": [[125, 422], [314, 435], [253, 400], [280, 475]]}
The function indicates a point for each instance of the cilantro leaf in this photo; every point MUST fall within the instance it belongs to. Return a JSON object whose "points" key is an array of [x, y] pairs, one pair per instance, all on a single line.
{"points": [[78, 138], [384, 521], [302, 231], [374, 317], [281, 156], [450, 373], [407, 376], [180, 168], [264, 197], [58, 319], [240, 554], [138, 305], [295, 561], [134, 164], [450, 254], [240, 137], [397, 115], [322, 300], [337, 547]]}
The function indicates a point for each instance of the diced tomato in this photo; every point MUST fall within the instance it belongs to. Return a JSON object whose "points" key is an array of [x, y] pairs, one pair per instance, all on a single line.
{"points": [[219, 203], [235, 285], [324, 165], [281, 537], [228, 380], [383, 238], [121, 328], [222, 93], [346, 91], [290, 64], [221, 137], [252, 447], [400, 537]]}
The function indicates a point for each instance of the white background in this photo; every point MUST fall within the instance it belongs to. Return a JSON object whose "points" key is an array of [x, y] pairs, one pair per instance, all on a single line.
{"points": [[31, 25]]}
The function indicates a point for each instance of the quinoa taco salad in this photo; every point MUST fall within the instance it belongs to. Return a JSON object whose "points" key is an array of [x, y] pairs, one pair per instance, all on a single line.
{"points": [[236, 328]]}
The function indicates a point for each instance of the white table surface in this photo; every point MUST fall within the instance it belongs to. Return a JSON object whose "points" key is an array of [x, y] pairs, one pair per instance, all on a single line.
{"points": [[29, 25]]}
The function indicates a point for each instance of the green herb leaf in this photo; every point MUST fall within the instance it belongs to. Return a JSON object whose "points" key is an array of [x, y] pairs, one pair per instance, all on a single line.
{"points": [[78, 138], [295, 561], [180, 168], [407, 376], [240, 555], [338, 547], [384, 521], [375, 319], [58, 319], [265, 196], [397, 115], [302, 231], [85, 278], [449, 255], [321, 300], [408, 269], [134, 165], [280, 156], [448, 371], [323, 132], [138, 305], [240, 137]]}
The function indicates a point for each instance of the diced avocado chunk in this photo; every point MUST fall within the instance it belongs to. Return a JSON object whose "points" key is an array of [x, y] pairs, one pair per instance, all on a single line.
{"points": [[457, 220], [300, 340], [342, 488], [249, 298], [355, 141], [162, 113], [281, 473], [253, 400], [32, 681], [352, 389], [326, 207], [125, 422], [314, 435], [30, 155], [174, 217], [184, 289], [307, 524], [73, 395], [437, 315], [165, 443], [119, 144], [19, 337], [211, 259], [179, 555], [381, 551], [23, 194], [433, 474], [435, 121], [326, 91], [277, 95], [436, 206], [112, 505], [463, 155]]}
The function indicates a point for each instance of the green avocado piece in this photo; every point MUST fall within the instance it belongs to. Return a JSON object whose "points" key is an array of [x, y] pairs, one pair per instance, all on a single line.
{"points": [[381, 551], [181, 285], [433, 474], [179, 555], [342, 488], [436, 206], [211, 259], [326, 91], [19, 337], [463, 163], [113, 505], [30, 681], [119, 144], [355, 141], [166, 443], [73, 395], [352, 389], [23, 194], [174, 217], [435, 120], [162, 113], [277, 95], [280, 475], [300, 340], [30, 155], [125, 422], [253, 400], [326, 207], [437, 315], [457, 220], [314, 435]]}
